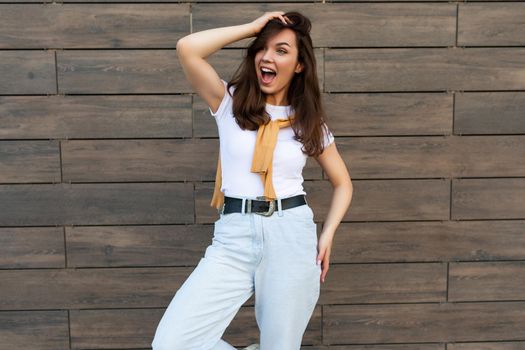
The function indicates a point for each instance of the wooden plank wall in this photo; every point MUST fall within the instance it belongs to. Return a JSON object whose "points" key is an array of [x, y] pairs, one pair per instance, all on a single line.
{"points": [[107, 163]]}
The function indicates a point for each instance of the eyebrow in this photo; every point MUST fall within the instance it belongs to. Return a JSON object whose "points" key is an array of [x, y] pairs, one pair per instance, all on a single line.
{"points": [[282, 43]]}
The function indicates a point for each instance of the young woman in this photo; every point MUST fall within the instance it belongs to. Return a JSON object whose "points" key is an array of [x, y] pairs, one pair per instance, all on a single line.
{"points": [[270, 119]]}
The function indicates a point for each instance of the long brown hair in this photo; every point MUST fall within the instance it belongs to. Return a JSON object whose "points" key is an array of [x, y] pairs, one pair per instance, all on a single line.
{"points": [[303, 94]]}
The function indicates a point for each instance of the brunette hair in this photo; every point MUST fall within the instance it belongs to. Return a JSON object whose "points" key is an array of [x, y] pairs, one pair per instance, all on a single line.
{"points": [[303, 94]]}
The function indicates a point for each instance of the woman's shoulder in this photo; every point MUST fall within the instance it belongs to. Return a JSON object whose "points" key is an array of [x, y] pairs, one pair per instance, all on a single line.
{"points": [[225, 107]]}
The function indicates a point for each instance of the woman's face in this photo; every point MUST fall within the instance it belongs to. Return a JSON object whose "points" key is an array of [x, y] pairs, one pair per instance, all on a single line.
{"points": [[281, 56]]}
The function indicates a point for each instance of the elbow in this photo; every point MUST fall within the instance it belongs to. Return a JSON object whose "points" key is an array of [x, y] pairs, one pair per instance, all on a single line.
{"points": [[180, 44], [345, 184], [185, 49]]}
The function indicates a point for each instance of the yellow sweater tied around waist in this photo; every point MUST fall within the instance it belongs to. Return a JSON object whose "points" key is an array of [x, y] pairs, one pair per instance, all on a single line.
{"points": [[261, 162]]}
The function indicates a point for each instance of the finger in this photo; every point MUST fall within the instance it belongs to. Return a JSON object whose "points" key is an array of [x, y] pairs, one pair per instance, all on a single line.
{"points": [[325, 270], [320, 258], [282, 19]]}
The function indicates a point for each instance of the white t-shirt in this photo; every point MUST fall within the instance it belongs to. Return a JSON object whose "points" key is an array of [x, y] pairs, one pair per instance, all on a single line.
{"points": [[237, 147]]}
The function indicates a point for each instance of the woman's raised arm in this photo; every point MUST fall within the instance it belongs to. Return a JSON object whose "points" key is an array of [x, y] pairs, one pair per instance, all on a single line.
{"points": [[193, 49]]}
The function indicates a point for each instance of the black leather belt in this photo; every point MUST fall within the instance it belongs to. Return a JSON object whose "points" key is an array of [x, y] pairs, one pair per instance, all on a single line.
{"points": [[259, 205]]}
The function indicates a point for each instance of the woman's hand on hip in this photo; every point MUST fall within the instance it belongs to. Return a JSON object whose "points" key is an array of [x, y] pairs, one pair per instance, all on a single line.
{"points": [[324, 248]]}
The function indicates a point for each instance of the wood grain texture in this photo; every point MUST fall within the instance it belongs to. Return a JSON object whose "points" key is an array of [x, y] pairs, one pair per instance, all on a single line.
{"points": [[95, 117], [32, 247], [131, 71], [481, 281], [94, 25], [397, 200], [389, 114], [44, 157], [354, 24], [146, 245], [410, 323], [489, 113], [27, 72], [384, 283], [139, 160], [424, 69], [436, 156], [42, 289], [497, 198], [95, 204], [108, 159], [517, 345], [429, 241], [42, 330], [491, 24]]}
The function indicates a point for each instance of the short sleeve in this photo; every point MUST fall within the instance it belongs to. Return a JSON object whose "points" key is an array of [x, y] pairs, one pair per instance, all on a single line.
{"points": [[328, 137], [226, 103]]}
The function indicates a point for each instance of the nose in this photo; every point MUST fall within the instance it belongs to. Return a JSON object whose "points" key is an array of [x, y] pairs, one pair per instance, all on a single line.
{"points": [[266, 57]]}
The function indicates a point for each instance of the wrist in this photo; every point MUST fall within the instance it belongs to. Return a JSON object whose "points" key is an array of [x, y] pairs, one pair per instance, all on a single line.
{"points": [[252, 29], [328, 233]]}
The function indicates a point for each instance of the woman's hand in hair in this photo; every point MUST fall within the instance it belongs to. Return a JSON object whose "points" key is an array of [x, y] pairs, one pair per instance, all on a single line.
{"points": [[259, 23]]}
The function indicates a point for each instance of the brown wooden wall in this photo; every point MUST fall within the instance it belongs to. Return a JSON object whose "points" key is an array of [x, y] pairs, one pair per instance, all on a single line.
{"points": [[107, 163]]}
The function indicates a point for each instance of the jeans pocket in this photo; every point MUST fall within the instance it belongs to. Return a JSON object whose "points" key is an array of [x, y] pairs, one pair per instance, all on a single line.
{"points": [[301, 212], [226, 218]]}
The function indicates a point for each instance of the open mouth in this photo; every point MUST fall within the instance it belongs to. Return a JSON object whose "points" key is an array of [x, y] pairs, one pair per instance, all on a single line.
{"points": [[267, 75]]}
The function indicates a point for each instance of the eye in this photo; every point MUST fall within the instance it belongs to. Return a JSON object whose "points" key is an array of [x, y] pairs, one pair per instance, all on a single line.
{"points": [[281, 50]]}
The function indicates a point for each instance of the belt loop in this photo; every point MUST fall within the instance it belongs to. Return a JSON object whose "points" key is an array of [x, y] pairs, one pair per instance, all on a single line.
{"points": [[249, 206], [279, 207], [243, 208]]}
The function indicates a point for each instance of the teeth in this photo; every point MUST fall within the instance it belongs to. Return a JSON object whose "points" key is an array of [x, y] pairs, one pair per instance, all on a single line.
{"points": [[267, 70]]}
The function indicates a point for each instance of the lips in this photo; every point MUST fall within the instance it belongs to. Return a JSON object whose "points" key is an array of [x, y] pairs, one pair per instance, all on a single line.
{"points": [[267, 75]]}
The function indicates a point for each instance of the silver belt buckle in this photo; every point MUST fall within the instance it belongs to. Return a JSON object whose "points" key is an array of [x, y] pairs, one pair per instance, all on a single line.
{"points": [[270, 210]]}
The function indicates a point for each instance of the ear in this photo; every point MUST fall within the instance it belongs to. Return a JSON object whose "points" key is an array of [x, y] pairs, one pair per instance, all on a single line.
{"points": [[299, 68]]}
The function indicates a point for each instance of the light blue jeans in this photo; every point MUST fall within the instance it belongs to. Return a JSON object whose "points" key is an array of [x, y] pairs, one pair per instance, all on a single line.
{"points": [[273, 256]]}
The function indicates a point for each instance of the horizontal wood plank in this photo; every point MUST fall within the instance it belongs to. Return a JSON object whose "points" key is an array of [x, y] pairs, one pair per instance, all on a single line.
{"points": [[150, 245], [29, 161], [72, 117], [352, 24], [32, 247], [113, 329], [378, 283], [487, 281], [488, 198], [27, 72], [424, 69], [430, 157], [491, 24], [358, 242], [397, 200], [42, 330], [34, 289], [139, 160], [444, 322], [489, 113], [132, 71], [376, 114], [94, 25], [96, 204], [502, 345]]}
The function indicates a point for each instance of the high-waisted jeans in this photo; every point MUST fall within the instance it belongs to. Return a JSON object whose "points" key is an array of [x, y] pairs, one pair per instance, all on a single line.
{"points": [[271, 256]]}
